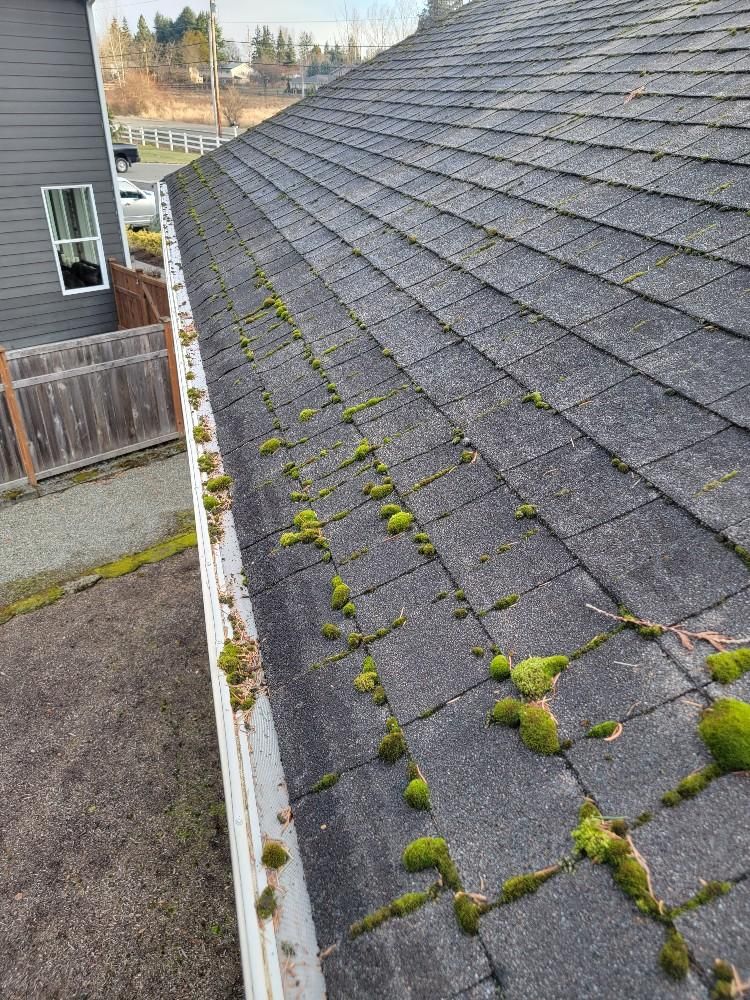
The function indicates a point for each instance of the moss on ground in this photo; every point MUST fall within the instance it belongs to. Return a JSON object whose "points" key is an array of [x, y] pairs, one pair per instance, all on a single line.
{"points": [[31, 603], [162, 550]]}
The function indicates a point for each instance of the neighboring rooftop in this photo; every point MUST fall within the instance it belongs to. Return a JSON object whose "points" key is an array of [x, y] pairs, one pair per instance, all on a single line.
{"points": [[498, 278]]}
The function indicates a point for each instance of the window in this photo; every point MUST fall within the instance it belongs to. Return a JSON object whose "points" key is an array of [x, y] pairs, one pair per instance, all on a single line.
{"points": [[74, 227]]}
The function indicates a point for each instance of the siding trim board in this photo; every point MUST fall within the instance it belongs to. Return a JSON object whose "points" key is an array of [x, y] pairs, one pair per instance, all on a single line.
{"points": [[50, 43]]}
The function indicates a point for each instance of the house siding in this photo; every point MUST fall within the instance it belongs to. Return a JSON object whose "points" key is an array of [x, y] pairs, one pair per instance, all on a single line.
{"points": [[51, 133]]}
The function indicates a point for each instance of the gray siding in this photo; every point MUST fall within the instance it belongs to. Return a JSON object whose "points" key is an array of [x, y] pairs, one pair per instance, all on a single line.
{"points": [[51, 133]]}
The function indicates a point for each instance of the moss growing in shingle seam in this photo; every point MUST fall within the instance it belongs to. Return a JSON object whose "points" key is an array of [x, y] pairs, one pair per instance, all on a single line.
{"points": [[673, 957], [730, 665], [393, 745], [467, 912], [420, 484], [340, 594], [506, 712], [417, 794], [330, 631], [724, 986], [351, 411], [270, 446], [431, 852], [647, 631], [538, 729], [619, 464], [327, 781], [690, 786], [537, 399], [399, 907], [378, 492], [505, 602], [307, 414], [525, 510], [524, 885]]}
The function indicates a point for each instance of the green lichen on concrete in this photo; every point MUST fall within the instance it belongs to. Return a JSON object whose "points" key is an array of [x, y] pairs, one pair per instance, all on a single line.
{"points": [[431, 852], [274, 854], [400, 522], [730, 665], [534, 676], [674, 957], [499, 667], [537, 399], [155, 553], [690, 786], [725, 729], [393, 745], [505, 602], [266, 905], [417, 794], [525, 510], [327, 781], [601, 730], [538, 729], [270, 446]]}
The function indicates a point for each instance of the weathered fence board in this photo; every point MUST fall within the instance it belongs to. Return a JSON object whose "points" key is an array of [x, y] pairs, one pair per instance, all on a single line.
{"points": [[87, 399]]}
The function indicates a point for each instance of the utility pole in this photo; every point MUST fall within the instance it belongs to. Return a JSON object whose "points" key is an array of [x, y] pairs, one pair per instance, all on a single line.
{"points": [[213, 63]]}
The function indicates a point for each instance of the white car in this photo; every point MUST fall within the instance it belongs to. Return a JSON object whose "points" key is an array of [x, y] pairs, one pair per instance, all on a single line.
{"points": [[138, 206]]}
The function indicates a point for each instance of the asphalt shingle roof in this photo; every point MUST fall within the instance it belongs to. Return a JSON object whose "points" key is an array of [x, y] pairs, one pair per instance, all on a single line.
{"points": [[542, 198]]}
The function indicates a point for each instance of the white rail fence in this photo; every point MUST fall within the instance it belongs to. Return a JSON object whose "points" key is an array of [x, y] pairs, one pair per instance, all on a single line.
{"points": [[167, 138]]}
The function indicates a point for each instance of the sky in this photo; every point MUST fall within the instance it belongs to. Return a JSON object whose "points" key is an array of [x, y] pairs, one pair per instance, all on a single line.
{"points": [[322, 18]]}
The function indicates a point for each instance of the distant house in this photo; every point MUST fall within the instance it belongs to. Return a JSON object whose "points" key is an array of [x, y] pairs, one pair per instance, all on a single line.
{"points": [[236, 72], [61, 218]]}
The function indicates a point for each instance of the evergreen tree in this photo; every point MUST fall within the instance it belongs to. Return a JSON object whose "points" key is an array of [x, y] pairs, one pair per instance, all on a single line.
{"points": [[435, 10]]}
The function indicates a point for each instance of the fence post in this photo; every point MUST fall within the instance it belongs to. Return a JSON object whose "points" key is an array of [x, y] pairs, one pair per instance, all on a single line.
{"points": [[174, 382], [200, 144], [184, 139], [156, 137], [171, 140], [16, 420]]}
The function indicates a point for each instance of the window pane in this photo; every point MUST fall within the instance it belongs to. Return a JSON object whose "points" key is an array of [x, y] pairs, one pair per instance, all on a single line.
{"points": [[79, 263], [71, 213]]}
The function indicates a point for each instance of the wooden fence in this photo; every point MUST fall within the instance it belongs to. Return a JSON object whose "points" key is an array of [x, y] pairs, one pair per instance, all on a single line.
{"points": [[72, 403]]}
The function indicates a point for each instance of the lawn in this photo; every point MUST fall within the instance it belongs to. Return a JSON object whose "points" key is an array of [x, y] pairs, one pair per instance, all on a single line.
{"points": [[150, 154]]}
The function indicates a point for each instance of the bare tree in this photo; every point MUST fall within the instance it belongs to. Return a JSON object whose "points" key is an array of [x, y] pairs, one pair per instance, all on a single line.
{"points": [[232, 104]]}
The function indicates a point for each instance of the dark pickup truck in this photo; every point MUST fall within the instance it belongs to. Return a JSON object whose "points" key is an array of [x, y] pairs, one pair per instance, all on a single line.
{"points": [[124, 156]]}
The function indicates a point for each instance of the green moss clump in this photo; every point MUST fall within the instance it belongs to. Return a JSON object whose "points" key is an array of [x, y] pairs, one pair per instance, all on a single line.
{"points": [[266, 903], [505, 602], [270, 446], [210, 503], [499, 667], [630, 621], [537, 399], [673, 957], [365, 682], [631, 877], [340, 596], [417, 794], [460, 613], [363, 450], [690, 786], [523, 885], [274, 854], [162, 550], [538, 729], [467, 913], [399, 522], [525, 510], [601, 730], [207, 461], [379, 695], [724, 981], [431, 852], [618, 464], [478, 651], [349, 610], [506, 712], [218, 483], [389, 509], [725, 729], [201, 434], [307, 414], [378, 492], [729, 666], [327, 781], [330, 631], [393, 745], [399, 907], [534, 676]]}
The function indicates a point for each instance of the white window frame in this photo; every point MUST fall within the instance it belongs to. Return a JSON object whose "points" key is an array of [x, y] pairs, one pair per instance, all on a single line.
{"points": [[86, 239]]}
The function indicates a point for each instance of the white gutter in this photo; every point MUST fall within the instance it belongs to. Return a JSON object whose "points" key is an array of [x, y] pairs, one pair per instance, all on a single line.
{"points": [[254, 785], [107, 133]]}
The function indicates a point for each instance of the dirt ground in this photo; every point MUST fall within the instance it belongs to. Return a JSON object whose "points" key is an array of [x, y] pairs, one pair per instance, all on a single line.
{"points": [[114, 860]]}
